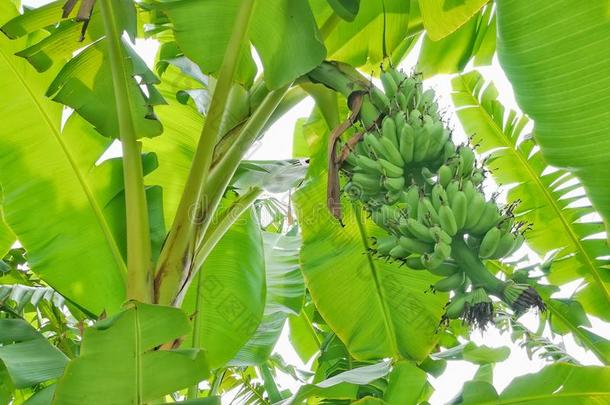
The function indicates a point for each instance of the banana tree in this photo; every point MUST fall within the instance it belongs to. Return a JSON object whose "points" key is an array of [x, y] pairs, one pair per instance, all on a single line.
{"points": [[132, 220]]}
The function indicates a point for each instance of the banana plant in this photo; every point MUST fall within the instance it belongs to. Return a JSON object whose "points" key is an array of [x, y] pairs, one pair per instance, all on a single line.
{"points": [[140, 266]]}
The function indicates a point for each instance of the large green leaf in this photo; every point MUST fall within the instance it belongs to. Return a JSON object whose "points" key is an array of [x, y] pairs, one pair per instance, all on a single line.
{"points": [[285, 293], [87, 77], [28, 357], [557, 58], [361, 42], [378, 309], [542, 193], [442, 17], [120, 361], [49, 196], [7, 237], [231, 291], [341, 386], [406, 384], [476, 39], [288, 48], [556, 384]]}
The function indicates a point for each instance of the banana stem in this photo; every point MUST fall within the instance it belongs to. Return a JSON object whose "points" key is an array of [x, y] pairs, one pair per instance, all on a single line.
{"points": [[474, 268], [139, 256]]}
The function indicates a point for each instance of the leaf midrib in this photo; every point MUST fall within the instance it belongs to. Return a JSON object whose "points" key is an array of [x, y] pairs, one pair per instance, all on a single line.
{"points": [[88, 193], [387, 319], [545, 192]]}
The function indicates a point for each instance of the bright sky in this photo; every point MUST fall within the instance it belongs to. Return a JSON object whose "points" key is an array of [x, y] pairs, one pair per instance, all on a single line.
{"points": [[277, 144]]}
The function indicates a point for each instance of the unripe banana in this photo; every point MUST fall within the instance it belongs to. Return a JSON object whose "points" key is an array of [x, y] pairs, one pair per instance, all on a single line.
{"points": [[431, 261], [428, 211], [446, 269], [413, 200], [469, 189], [452, 189], [407, 143], [422, 142], [459, 206], [398, 76], [390, 169], [352, 158], [388, 130], [468, 159], [443, 250], [419, 230], [398, 252], [385, 244], [489, 218], [519, 239], [408, 88], [450, 283], [414, 263], [414, 245], [439, 235], [489, 243], [368, 163], [402, 101], [415, 118], [389, 85], [477, 177], [374, 145], [445, 174], [394, 183], [456, 307], [504, 245], [379, 99], [436, 197], [475, 210], [448, 150], [447, 220], [392, 154], [367, 183]]}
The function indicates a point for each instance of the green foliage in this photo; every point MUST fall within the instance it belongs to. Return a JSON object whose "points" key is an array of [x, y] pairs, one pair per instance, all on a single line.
{"points": [[402, 319], [558, 72], [137, 370]]}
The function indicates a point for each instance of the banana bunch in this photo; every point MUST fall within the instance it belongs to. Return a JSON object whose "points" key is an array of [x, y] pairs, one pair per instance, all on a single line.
{"points": [[426, 193]]}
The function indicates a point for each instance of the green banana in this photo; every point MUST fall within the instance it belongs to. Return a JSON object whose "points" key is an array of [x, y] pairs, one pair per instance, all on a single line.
{"points": [[519, 239], [440, 235], [375, 145], [385, 244], [427, 212], [489, 243], [394, 183], [407, 143], [489, 218], [367, 182], [456, 307], [389, 168], [442, 249], [438, 196], [431, 261], [422, 142], [475, 210], [450, 283], [445, 174], [398, 252], [447, 220], [452, 189], [379, 99], [389, 84], [445, 269], [468, 159], [448, 150], [368, 163], [414, 263], [392, 154], [504, 245], [414, 245], [459, 206], [420, 231], [388, 130]]}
